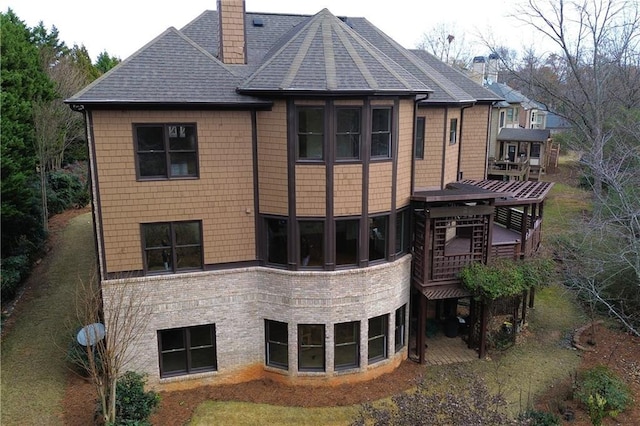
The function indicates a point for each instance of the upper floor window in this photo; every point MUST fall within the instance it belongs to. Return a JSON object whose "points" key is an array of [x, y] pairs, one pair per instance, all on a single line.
{"points": [[501, 124], [535, 150], [403, 231], [347, 241], [172, 246], [420, 128], [381, 133], [187, 350], [378, 238], [453, 131], [312, 243], [310, 133], [166, 151], [277, 241], [348, 133]]}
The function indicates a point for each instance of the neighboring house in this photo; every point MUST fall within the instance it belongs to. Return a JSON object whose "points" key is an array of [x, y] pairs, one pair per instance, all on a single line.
{"points": [[257, 178]]}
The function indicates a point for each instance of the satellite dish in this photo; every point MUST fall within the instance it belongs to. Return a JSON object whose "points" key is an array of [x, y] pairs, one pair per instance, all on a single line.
{"points": [[91, 334]]}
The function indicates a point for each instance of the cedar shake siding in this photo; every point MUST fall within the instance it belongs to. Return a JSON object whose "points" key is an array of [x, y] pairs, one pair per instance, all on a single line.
{"points": [[222, 196], [474, 142], [272, 160], [428, 172]]}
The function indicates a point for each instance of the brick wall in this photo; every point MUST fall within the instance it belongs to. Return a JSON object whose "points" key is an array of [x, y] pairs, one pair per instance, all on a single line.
{"points": [[237, 302]]}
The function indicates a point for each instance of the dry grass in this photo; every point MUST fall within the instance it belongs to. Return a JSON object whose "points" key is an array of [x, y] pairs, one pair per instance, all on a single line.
{"points": [[33, 352]]}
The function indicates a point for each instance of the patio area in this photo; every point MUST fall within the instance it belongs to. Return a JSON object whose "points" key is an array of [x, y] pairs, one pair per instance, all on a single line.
{"points": [[442, 350]]}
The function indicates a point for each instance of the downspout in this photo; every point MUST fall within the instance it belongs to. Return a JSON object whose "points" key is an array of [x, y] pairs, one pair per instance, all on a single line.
{"points": [[458, 172]]}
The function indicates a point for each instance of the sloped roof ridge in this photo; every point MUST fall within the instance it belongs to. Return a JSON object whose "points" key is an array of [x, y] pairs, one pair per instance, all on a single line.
{"points": [[369, 47], [132, 57], [430, 72]]}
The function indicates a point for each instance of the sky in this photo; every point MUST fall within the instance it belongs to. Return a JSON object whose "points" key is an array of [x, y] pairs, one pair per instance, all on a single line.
{"points": [[121, 27]]}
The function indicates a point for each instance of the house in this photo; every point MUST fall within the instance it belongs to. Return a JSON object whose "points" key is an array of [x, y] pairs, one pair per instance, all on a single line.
{"points": [[255, 180]]}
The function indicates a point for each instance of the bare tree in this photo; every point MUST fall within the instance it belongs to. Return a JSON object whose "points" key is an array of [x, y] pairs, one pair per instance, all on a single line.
{"points": [[446, 42], [106, 356], [594, 72]]}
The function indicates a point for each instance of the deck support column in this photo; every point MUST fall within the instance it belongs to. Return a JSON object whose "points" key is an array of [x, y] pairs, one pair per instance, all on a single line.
{"points": [[422, 328], [484, 322]]}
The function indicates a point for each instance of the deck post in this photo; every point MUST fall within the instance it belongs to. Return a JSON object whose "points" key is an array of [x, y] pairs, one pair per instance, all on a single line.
{"points": [[484, 322], [422, 328], [523, 232]]}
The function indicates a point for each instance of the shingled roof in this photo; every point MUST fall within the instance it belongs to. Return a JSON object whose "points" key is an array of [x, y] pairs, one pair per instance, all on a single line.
{"points": [[286, 53], [524, 135]]}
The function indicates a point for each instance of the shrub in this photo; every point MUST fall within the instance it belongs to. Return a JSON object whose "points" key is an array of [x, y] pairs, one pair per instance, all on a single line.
{"points": [[601, 381], [64, 190], [133, 404], [539, 418], [13, 270]]}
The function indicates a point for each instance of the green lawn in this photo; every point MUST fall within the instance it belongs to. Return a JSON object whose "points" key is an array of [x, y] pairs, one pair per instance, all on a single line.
{"points": [[33, 352]]}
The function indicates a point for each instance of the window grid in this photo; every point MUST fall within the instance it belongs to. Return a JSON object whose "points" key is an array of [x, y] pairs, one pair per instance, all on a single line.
{"points": [[380, 133], [187, 350], [400, 327], [277, 344], [172, 246], [166, 151], [453, 131], [420, 134], [347, 347], [378, 338]]}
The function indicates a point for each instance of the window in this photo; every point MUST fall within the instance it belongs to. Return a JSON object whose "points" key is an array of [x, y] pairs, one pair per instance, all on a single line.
{"points": [[400, 327], [453, 131], [403, 231], [172, 246], [510, 114], [381, 133], [311, 243], [378, 338], [347, 348], [310, 347], [348, 133], [277, 344], [277, 241], [378, 238], [535, 150], [310, 133], [347, 232], [501, 125], [166, 151], [187, 350], [420, 129]]}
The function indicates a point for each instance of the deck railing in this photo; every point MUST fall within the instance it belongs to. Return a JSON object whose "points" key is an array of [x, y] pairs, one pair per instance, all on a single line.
{"points": [[518, 170]]}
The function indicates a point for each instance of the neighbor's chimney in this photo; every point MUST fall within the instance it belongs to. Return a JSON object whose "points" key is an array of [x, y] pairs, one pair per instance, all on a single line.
{"points": [[477, 72], [232, 49], [492, 68]]}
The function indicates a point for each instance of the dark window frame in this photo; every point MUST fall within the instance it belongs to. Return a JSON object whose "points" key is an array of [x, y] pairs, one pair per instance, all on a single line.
{"points": [[302, 346], [380, 132], [403, 231], [375, 234], [269, 342], [308, 248], [355, 344], [299, 109], [338, 133], [167, 151], [400, 327], [384, 337], [187, 348], [357, 229], [453, 131], [267, 244], [421, 126], [169, 251]]}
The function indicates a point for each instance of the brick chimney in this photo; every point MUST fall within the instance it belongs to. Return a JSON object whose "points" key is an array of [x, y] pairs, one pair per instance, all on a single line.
{"points": [[232, 49]]}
